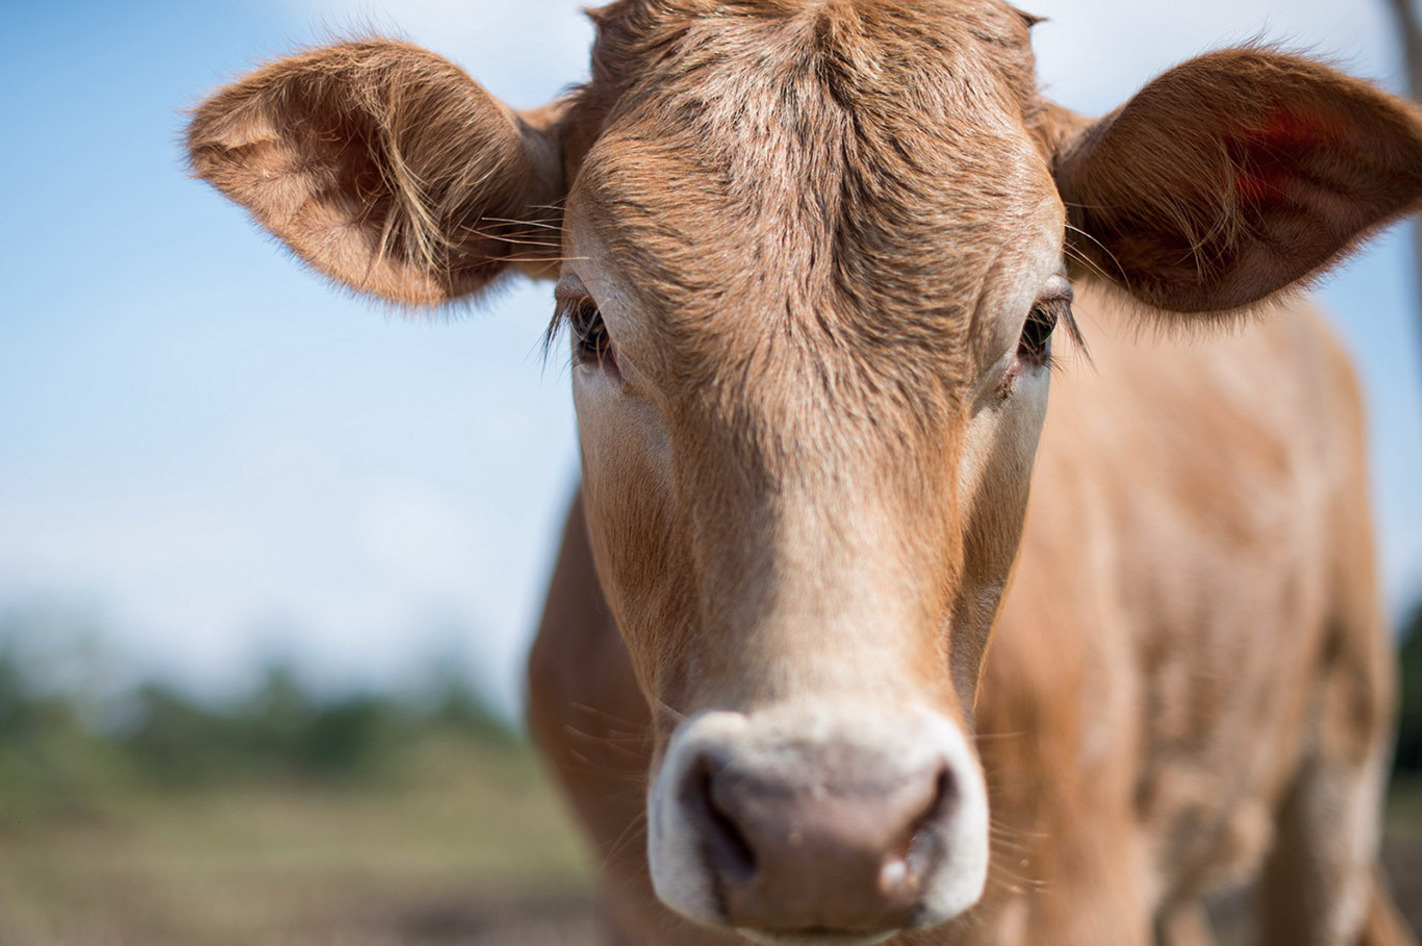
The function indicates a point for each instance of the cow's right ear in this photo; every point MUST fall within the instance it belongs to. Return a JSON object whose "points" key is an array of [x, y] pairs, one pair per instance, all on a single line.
{"points": [[387, 168]]}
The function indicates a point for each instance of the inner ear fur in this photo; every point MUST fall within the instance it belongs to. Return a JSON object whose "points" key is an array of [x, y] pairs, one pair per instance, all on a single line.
{"points": [[1235, 175], [387, 168]]}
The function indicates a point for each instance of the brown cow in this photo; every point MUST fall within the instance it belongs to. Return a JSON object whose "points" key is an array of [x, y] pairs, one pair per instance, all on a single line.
{"points": [[812, 253]]}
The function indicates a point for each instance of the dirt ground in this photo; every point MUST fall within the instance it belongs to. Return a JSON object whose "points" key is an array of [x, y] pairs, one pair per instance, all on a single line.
{"points": [[424, 867], [571, 921], [566, 921]]}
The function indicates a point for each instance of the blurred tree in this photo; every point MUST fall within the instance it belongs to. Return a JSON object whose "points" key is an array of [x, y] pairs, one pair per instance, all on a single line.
{"points": [[458, 705], [349, 736], [176, 740], [1409, 724], [67, 736], [277, 716], [16, 700]]}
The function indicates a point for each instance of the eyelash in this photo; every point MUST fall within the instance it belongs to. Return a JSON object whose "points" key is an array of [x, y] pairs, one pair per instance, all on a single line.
{"points": [[589, 331], [1035, 345], [591, 342]]}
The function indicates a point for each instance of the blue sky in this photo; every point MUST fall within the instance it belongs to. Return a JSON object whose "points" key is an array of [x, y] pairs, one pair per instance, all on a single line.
{"points": [[224, 458]]}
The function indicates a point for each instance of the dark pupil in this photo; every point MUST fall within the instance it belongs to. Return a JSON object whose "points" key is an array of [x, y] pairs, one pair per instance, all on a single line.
{"points": [[591, 333], [1038, 331]]}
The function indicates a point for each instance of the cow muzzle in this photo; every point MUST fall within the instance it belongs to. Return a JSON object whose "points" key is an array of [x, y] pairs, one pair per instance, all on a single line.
{"points": [[805, 827]]}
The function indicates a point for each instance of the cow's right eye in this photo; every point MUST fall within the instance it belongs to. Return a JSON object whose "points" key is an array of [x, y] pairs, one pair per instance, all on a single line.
{"points": [[1034, 345], [589, 331]]}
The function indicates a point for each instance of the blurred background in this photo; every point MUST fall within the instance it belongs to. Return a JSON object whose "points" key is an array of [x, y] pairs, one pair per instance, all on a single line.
{"points": [[271, 556]]}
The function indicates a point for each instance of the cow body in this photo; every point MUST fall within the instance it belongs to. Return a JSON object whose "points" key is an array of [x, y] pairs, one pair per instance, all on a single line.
{"points": [[811, 256], [1146, 742]]}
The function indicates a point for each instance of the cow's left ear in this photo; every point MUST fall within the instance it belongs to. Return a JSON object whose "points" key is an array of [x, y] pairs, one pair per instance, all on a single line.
{"points": [[1235, 175]]}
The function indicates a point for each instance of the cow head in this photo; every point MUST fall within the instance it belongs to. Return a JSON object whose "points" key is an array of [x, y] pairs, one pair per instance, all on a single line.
{"points": [[811, 256]]}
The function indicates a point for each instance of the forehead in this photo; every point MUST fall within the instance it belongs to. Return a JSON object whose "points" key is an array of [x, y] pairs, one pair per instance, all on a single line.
{"points": [[851, 160]]}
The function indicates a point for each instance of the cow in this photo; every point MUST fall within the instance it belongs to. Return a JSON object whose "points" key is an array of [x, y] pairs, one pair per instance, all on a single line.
{"points": [[852, 637]]}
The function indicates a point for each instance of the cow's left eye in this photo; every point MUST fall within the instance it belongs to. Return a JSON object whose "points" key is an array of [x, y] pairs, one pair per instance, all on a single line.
{"points": [[590, 332]]}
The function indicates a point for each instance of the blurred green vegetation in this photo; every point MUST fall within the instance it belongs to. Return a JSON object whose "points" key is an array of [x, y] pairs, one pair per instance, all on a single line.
{"points": [[65, 741], [1409, 724], [133, 811]]}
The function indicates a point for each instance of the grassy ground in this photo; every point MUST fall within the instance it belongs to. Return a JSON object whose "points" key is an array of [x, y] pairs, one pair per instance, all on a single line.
{"points": [[467, 848]]}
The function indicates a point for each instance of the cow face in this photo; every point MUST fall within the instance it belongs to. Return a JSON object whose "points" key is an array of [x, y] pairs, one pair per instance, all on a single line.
{"points": [[811, 334]]}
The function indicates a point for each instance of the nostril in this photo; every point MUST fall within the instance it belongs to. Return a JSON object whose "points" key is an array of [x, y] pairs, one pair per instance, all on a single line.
{"points": [[729, 853], [924, 845], [946, 798]]}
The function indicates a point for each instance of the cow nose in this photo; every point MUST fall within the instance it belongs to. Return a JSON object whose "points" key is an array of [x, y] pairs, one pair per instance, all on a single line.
{"points": [[845, 851]]}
